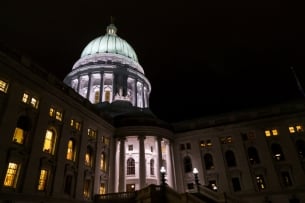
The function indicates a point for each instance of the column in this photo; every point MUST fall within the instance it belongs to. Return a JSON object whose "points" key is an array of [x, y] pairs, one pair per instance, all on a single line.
{"points": [[136, 92], [142, 164], [101, 86], [159, 139], [122, 166], [89, 86], [111, 157]]}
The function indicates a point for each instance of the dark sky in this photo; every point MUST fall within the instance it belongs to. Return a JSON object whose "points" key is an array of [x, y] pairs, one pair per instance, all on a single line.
{"points": [[201, 57]]}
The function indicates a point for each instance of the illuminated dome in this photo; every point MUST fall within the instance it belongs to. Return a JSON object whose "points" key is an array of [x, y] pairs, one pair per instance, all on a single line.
{"points": [[110, 43]]}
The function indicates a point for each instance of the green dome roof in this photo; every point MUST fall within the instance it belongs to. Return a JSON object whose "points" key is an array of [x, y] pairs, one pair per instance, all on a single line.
{"points": [[110, 43]]}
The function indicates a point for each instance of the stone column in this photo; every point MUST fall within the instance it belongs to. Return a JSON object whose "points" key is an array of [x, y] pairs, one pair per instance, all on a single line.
{"points": [[101, 86], [142, 162], [136, 92], [159, 139], [122, 166], [89, 86]]}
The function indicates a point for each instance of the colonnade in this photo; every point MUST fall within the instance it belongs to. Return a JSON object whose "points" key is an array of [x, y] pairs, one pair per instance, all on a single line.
{"points": [[104, 86], [142, 149]]}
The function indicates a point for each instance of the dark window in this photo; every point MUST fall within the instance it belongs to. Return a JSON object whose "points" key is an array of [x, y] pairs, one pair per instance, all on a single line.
{"points": [[294, 200], [253, 156], [300, 144], [277, 152], [152, 167], [188, 145], [208, 161], [230, 158], [236, 184], [187, 162], [130, 147], [68, 184], [130, 166], [286, 179], [190, 186], [182, 147]]}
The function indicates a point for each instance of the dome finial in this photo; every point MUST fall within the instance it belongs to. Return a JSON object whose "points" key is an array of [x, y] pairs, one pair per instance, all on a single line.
{"points": [[111, 29]]}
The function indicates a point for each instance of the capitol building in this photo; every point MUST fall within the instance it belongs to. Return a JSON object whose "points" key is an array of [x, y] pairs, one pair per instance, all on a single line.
{"points": [[93, 138]]}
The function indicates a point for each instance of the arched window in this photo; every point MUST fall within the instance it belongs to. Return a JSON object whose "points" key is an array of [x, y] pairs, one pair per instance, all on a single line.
{"points": [[49, 141], [103, 162], [187, 162], [71, 150], [131, 166], [300, 148], [21, 130], [88, 157], [96, 96], [277, 152], [208, 161], [253, 156], [230, 158], [152, 167]]}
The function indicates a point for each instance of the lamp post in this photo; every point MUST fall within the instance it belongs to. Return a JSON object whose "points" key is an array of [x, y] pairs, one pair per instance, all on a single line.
{"points": [[163, 171], [195, 172]]}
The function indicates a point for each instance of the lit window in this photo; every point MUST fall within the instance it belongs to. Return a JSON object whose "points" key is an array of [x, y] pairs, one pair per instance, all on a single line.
{"points": [[267, 133], [88, 157], [103, 162], [225, 140], [229, 139], [202, 144], [299, 128], [3, 86], [102, 189], [107, 96], [96, 96], [42, 180], [106, 141], [49, 142], [260, 182], [34, 102], [92, 133], [75, 124], [87, 189], [51, 112], [274, 132], [25, 98], [58, 116], [21, 130], [11, 176], [291, 129], [70, 150]]}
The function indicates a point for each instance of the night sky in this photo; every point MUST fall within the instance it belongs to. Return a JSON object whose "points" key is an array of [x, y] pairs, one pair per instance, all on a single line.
{"points": [[201, 57]]}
